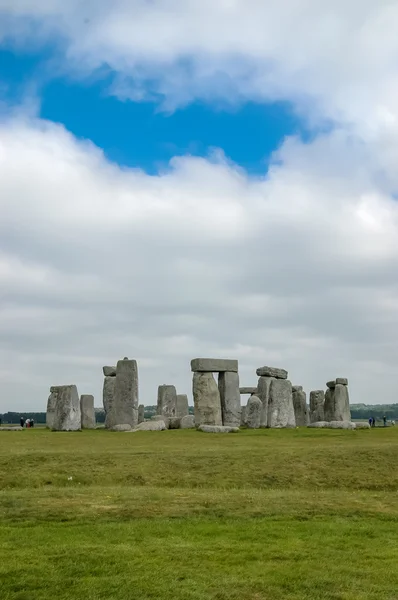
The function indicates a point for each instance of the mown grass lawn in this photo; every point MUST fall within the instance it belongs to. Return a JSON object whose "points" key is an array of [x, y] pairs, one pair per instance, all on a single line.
{"points": [[258, 515]]}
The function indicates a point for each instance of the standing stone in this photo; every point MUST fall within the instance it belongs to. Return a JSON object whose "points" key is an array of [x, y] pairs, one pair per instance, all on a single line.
{"points": [[263, 387], [317, 411], [141, 413], [187, 422], [67, 415], [243, 417], [87, 411], [182, 405], [301, 413], [51, 406], [253, 412], [167, 401], [341, 403], [228, 386], [280, 406], [207, 402], [124, 408], [107, 399], [271, 372]]}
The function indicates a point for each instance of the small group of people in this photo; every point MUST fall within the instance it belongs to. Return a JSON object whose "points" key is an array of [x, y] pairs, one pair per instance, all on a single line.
{"points": [[372, 421], [28, 423]]}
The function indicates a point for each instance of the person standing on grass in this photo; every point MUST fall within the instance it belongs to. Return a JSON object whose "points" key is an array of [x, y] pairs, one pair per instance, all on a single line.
{"points": [[385, 421], [370, 421], [22, 421], [373, 422], [32, 423]]}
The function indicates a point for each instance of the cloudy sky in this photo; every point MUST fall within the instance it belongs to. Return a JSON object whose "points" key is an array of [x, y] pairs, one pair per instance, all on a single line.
{"points": [[182, 178]]}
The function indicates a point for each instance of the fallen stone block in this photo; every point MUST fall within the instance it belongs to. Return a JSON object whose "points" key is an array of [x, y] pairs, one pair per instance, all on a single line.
{"points": [[174, 423], [217, 429], [247, 390], [122, 427], [5, 428], [109, 371], [341, 425], [187, 422], [272, 372], [362, 425], [161, 418], [150, 426], [319, 424], [213, 365]]}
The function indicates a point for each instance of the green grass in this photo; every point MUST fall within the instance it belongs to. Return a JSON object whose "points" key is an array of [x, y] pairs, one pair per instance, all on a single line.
{"points": [[259, 515]]}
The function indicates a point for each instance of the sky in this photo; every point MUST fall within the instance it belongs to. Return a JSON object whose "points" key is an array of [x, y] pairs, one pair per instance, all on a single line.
{"points": [[184, 179]]}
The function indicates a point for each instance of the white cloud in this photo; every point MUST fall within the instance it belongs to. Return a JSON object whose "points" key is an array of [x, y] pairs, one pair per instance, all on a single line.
{"points": [[295, 269]]}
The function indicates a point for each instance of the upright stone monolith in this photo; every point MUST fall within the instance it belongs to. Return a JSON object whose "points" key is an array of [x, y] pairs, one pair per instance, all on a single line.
{"points": [[280, 405], [253, 412], [317, 410], [87, 411], [207, 400], [167, 401], [67, 415], [141, 413], [341, 403], [301, 413], [228, 386], [107, 399], [182, 405], [124, 406], [329, 405], [51, 406], [263, 387]]}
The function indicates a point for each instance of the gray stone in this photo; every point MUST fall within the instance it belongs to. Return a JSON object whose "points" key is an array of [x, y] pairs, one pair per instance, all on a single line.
{"points": [[341, 403], [51, 405], [167, 401], [174, 423], [213, 365], [342, 381], [161, 418], [11, 428], [317, 400], [182, 405], [228, 386], [319, 424], [329, 404], [341, 425], [109, 371], [107, 399], [218, 429], [263, 387], [150, 426], [243, 416], [248, 390], [297, 388], [124, 408], [187, 422], [67, 415], [272, 372], [141, 413], [87, 411], [253, 412], [362, 425], [301, 413], [331, 384], [207, 400], [121, 427], [280, 405]]}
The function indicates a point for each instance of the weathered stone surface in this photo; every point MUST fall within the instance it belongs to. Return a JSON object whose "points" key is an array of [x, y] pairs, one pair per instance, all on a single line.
{"points": [[124, 408], [141, 413], [51, 404], [228, 386], [317, 400], [207, 400], [167, 401], [362, 425], [182, 405], [329, 404], [121, 427], [109, 371], [243, 417], [341, 425], [11, 428], [263, 387], [272, 372], [187, 422], [66, 415], [213, 365], [253, 412], [297, 388], [341, 403], [218, 429], [161, 418], [342, 381], [331, 384], [150, 426], [107, 399], [248, 390], [280, 405], [87, 411], [174, 423], [319, 424], [301, 413]]}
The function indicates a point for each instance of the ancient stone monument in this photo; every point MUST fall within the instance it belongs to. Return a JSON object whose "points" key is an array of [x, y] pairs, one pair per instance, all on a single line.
{"points": [[63, 408], [182, 405], [216, 404], [87, 411], [301, 412], [167, 401], [275, 393], [187, 422], [141, 413], [337, 402], [317, 400], [253, 412], [120, 395]]}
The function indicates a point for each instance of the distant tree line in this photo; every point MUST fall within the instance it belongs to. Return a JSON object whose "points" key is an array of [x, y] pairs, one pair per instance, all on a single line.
{"points": [[378, 411]]}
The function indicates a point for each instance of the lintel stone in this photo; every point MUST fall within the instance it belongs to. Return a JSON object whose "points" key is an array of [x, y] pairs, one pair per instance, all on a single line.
{"points": [[248, 390], [342, 381], [213, 365], [272, 372]]}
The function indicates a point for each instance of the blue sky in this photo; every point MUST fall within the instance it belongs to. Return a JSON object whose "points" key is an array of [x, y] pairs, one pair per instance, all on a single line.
{"points": [[143, 134]]}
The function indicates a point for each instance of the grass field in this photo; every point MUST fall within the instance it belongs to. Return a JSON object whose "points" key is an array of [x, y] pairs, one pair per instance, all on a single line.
{"points": [[258, 515]]}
